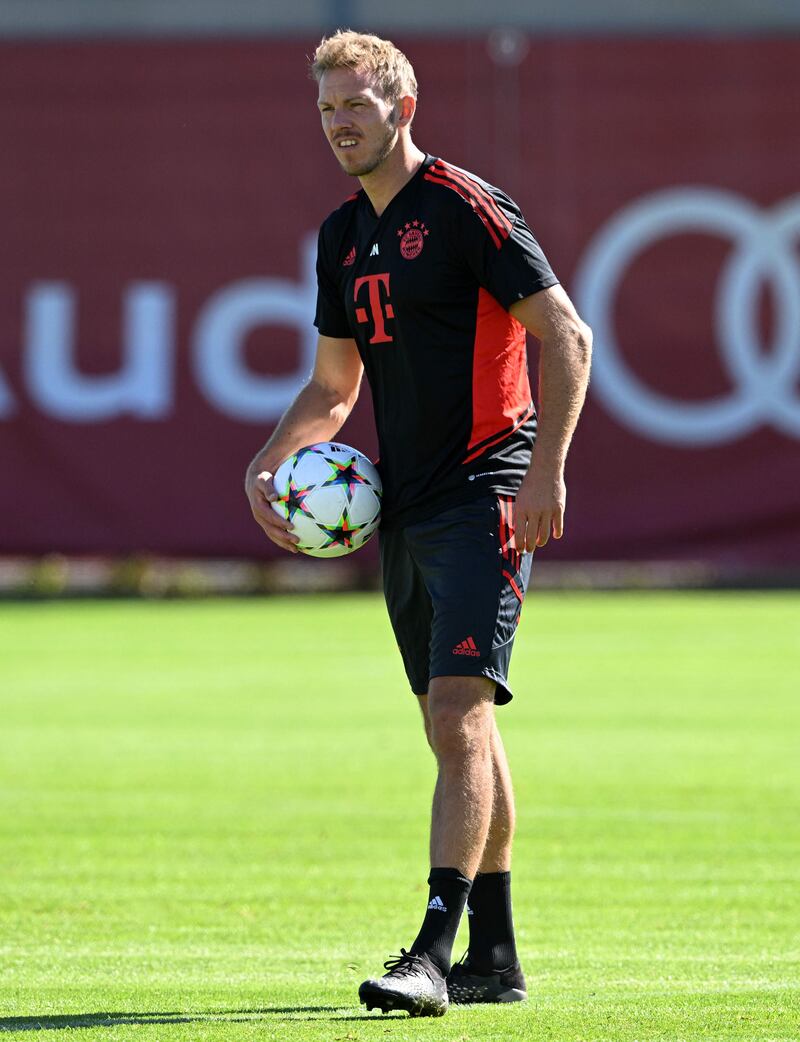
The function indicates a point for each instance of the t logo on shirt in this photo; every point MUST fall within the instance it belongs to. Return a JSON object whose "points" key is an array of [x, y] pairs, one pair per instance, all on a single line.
{"points": [[379, 306]]}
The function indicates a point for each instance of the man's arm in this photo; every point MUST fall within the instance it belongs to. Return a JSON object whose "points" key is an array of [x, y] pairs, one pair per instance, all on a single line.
{"points": [[316, 414], [564, 362]]}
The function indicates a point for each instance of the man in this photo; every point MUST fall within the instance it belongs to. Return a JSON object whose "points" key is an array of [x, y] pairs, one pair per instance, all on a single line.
{"points": [[428, 279]]}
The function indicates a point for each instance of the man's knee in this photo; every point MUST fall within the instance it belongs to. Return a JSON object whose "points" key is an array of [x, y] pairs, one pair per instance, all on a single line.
{"points": [[460, 714]]}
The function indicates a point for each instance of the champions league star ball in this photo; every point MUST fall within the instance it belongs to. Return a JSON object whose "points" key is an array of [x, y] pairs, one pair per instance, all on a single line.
{"points": [[331, 494]]}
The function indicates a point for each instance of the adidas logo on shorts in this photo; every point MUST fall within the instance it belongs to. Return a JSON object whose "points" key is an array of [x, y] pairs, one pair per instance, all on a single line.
{"points": [[467, 647]]}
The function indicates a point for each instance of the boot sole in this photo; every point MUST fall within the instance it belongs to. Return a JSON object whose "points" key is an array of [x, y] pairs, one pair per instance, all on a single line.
{"points": [[509, 995]]}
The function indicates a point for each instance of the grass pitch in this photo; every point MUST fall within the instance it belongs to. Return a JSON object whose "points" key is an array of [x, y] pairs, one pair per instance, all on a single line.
{"points": [[213, 820]]}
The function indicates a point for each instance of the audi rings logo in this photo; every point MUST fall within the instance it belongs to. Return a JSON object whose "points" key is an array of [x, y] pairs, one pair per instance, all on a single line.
{"points": [[764, 383]]}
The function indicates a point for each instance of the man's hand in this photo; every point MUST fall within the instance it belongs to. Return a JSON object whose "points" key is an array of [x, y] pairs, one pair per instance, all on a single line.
{"points": [[316, 414], [539, 510], [260, 491]]}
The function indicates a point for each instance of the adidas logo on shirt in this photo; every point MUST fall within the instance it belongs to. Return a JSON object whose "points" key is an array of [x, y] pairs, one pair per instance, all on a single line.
{"points": [[437, 904], [374, 252], [467, 647]]}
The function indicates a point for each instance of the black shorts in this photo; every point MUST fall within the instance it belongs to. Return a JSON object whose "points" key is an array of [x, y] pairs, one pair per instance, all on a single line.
{"points": [[454, 587]]}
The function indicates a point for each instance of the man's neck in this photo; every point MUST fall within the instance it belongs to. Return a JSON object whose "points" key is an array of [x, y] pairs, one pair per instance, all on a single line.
{"points": [[383, 184]]}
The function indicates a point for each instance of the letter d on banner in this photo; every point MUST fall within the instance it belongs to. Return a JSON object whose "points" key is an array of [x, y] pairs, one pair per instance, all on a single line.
{"points": [[221, 331]]}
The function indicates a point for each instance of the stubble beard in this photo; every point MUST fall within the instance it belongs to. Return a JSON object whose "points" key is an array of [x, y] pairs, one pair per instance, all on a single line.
{"points": [[381, 155]]}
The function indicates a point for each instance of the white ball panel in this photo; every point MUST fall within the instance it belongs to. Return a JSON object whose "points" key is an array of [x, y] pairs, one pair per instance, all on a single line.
{"points": [[364, 506], [335, 550], [368, 470], [310, 469], [327, 504], [281, 477], [309, 533], [366, 533]]}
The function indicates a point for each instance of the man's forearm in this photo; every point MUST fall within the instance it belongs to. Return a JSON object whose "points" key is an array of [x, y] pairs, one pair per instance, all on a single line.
{"points": [[563, 378], [315, 415], [564, 364]]}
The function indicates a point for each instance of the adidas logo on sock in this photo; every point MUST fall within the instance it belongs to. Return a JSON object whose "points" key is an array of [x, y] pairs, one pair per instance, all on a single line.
{"points": [[469, 911], [467, 647], [437, 904]]}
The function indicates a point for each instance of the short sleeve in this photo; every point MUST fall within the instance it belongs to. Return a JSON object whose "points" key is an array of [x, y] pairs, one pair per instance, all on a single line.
{"points": [[331, 317], [502, 252]]}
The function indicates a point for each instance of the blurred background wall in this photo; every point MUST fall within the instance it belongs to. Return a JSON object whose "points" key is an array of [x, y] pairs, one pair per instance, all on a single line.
{"points": [[273, 17], [163, 176]]}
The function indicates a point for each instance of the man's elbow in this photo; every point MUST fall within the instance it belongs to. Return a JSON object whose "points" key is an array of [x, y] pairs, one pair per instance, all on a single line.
{"points": [[348, 398], [342, 409], [583, 342], [576, 339], [338, 399], [352, 397]]}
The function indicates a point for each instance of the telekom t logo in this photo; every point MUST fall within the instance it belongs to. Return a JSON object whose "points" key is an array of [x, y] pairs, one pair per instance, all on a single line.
{"points": [[380, 310]]}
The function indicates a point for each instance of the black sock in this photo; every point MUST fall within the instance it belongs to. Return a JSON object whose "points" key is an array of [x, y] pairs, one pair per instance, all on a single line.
{"points": [[448, 895], [491, 929]]}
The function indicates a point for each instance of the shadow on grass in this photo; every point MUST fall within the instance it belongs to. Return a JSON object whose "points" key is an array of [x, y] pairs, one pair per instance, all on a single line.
{"points": [[70, 1021]]}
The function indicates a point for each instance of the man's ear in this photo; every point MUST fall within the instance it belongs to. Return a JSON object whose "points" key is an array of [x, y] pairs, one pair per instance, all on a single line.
{"points": [[404, 111]]}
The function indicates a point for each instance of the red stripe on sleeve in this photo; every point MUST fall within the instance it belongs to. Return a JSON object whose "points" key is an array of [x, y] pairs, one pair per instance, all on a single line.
{"points": [[491, 207], [472, 202]]}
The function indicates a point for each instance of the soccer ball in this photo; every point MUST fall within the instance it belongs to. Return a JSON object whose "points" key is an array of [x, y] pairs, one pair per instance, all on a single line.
{"points": [[331, 494]]}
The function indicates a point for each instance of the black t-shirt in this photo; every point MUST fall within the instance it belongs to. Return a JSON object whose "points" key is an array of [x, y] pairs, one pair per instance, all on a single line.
{"points": [[424, 290]]}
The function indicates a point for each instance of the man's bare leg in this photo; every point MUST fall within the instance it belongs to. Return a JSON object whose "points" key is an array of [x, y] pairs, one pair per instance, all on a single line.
{"points": [[460, 720], [461, 713], [496, 854], [492, 946]]}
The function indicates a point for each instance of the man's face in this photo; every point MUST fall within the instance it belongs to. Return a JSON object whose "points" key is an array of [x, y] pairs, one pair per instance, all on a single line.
{"points": [[357, 119]]}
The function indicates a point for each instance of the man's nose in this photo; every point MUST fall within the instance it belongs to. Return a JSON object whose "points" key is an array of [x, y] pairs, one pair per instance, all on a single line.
{"points": [[339, 119]]}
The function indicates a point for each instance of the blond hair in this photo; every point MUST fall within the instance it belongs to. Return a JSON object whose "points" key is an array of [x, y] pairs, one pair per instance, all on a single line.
{"points": [[388, 65]]}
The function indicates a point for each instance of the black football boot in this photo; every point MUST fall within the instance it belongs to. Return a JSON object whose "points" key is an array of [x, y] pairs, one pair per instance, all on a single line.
{"points": [[466, 985]]}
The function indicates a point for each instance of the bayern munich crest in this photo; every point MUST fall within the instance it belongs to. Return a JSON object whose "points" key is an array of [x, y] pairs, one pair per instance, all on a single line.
{"points": [[412, 238]]}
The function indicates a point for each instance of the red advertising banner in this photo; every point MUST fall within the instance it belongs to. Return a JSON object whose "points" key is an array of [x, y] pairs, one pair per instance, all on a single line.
{"points": [[157, 289]]}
